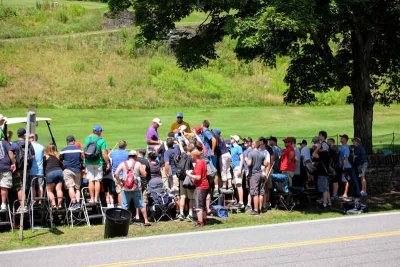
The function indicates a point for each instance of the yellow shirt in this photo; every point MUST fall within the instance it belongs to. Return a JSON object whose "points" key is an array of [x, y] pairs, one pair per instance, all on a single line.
{"points": [[176, 125]]}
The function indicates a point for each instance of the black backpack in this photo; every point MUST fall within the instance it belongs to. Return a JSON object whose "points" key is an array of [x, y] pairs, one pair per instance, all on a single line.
{"points": [[92, 153], [184, 164], [20, 156]]}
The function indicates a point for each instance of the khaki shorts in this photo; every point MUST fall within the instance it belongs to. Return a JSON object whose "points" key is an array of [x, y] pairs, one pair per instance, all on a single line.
{"points": [[72, 179], [144, 196], [189, 193], [94, 172], [225, 164], [237, 176], [5, 180]]}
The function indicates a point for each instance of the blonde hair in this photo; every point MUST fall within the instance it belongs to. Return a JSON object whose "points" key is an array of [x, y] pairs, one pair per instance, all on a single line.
{"points": [[51, 150]]}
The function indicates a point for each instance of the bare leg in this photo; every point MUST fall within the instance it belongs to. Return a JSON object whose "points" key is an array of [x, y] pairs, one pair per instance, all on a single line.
{"points": [[208, 203], [182, 204], [91, 190], [199, 216], [240, 192], [346, 189], [59, 193], [137, 217], [144, 213], [335, 189], [50, 194], [96, 190], [4, 195], [191, 207], [363, 184], [71, 193], [256, 203]]}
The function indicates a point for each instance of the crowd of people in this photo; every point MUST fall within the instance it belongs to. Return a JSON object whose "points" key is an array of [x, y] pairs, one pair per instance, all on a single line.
{"points": [[243, 168]]}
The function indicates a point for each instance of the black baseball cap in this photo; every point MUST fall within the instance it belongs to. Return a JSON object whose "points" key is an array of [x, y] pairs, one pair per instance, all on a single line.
{"points": [[303, 142], [247, 139], [272, 138], [70, 138]]}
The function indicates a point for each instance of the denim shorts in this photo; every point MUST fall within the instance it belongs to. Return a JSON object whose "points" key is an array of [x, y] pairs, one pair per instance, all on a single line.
{"points": [[55, 177], [136, 196]]}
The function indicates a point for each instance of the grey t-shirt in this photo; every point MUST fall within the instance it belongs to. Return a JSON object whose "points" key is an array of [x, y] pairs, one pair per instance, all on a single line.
{"points": [[257, 159]]}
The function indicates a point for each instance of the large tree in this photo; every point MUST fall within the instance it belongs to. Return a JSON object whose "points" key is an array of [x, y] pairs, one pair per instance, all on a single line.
{"points": [[332, 44]]}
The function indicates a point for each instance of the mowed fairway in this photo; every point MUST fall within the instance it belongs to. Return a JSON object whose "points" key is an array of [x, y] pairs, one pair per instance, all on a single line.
{"points": [[131, 125]]}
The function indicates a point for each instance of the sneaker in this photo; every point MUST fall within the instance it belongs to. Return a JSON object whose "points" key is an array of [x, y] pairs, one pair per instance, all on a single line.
{"points": [[241, 206], [190, 218], [324, 205], [363, 194], [335, 197], [78, 206], [247, 208], [3, 207], [181, 217], [254, 213], [72, 207]]}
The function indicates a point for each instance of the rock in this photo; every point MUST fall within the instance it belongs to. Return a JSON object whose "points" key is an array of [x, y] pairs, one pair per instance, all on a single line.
{"points": [[180, 32], [123, 19]]}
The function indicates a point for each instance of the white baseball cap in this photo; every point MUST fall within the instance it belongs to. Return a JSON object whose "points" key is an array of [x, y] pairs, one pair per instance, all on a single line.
{"points": [[158, 121], [235, 137], [2, 117], [132, 153]]}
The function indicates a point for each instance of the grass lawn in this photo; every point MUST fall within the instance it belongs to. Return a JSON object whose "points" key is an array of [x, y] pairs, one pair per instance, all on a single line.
{"points": [[280, 121], [66, 235], [32, 3]]}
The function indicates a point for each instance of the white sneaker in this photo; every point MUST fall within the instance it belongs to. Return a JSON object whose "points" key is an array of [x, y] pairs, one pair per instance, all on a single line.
{"points": [[3, 207]]}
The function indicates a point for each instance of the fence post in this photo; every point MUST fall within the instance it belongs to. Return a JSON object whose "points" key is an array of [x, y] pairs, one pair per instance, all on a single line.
{"points": [[393, 147]]}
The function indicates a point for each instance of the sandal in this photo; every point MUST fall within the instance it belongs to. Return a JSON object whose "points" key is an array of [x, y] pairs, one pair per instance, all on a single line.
{"points": [[147, 224]]}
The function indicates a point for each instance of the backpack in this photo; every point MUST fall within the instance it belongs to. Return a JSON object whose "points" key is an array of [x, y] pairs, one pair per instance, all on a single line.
{"points": [[130, 182], [92, 153], [184, 164], [20, 156]]}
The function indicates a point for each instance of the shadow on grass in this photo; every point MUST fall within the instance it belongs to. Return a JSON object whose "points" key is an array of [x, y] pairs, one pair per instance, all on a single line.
{"points": [[56, 231]]}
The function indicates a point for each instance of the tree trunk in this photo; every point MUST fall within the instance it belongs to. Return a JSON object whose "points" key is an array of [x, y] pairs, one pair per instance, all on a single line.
{"points": [[362, 119], [363, 101]]}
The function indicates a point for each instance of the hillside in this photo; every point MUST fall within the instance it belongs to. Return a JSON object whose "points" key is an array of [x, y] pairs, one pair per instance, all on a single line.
{"points": [[105, 70]]}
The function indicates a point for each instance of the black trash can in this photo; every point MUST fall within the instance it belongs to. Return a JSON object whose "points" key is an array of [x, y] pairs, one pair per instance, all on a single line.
{"points": [[117, 222]]}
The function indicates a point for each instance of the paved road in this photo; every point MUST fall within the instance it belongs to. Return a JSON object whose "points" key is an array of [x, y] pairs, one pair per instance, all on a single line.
{"points": [[368, 240]]}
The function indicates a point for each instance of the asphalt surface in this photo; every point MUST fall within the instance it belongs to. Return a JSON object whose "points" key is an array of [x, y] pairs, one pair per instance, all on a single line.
{"points": [[367, 240]]}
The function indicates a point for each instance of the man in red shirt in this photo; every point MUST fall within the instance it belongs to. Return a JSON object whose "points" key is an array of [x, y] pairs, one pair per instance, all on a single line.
{"points": [[199, 177], [288, 160]]}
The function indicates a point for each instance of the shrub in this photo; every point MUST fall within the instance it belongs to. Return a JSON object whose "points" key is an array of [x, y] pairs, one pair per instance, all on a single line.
{"points": [[77, 10], [62, 16], [3, 80], [6, 12], [110, 81]]}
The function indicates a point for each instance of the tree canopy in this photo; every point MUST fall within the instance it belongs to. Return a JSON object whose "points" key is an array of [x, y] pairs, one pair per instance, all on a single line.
{"points": [[332, 44]]}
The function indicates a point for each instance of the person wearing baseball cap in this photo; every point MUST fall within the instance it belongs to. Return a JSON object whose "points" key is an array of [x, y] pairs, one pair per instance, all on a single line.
{"points": [[224, 160], [346, 168], [71, 157], [237, 166], [132, 192], [152, 138], [273, 143], [360, 164], [288, 159], [94, 163], [176, 126]]}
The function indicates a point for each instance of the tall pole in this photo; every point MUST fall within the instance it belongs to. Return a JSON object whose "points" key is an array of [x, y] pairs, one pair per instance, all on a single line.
{"points": [[31, 117]]}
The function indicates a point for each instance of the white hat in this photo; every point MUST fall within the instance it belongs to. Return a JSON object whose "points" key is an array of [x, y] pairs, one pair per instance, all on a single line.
{"points": [[158, 121], [2, 117], [235, 137], [132, 153]]}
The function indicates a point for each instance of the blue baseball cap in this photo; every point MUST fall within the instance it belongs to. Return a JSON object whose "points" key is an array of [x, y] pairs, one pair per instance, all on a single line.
{"points": [[97, 129], [179, 115], [217, 131], [21, 132]]}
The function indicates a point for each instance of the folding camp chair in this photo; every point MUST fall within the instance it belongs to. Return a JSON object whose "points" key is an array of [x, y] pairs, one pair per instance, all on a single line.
{"points": [[40, 213], [160, 202], [284, 197], [6, 218]]}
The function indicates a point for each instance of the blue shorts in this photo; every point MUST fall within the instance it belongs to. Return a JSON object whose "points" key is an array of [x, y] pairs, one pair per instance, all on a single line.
{"points": [[55, 177], [136, 196]]}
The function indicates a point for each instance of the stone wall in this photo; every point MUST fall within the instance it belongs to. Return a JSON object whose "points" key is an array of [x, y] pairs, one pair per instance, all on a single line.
{"points": [[383, 174]]}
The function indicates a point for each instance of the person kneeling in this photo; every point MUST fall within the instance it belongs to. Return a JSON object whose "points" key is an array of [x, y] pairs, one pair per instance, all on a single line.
{"points": [[131, 186]]}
